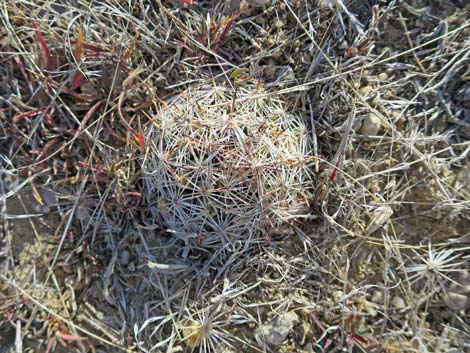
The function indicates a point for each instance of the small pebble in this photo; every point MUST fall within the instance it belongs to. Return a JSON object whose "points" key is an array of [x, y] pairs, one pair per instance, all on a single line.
{"points": [[377, 297], [278, 24], [343, 45], [375, 187], [456, 301], [124, 258], [260, 20], [446, 172], [365, 91], [398, 302], [275, 332], [383, 76], [398, 118], [269, 71], [371, 125]]}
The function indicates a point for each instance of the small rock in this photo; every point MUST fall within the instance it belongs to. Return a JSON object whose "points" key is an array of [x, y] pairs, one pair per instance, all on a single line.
{"points": [[382, 76], [398, 302], [371, 125], [380, 216], [269, 71], [89, 88], [374, 185], [398, 118], [278, 24], [260, 21], [357, 123], [377, 297], [343, 45], [277, 330], [365, 91], [124, 258], [456, 301]]}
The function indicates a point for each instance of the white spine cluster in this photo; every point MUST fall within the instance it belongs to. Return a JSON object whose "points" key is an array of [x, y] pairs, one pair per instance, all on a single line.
{"points": [[221, 164]]}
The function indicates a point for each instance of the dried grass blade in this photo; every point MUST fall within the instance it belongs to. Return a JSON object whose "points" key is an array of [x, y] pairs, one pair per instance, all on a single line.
{"points": [[68, 337], [29, 114], [88, 116], [77, 81], [79, 45], [228, 25], [130, 50], [140, 137], [44, 48], [335, 171]]}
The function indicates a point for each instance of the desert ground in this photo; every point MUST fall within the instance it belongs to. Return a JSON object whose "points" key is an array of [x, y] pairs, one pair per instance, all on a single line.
{"points": [[235, 176]]}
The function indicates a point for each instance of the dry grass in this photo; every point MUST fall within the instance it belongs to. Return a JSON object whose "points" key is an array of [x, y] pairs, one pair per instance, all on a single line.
{"points": [[98, 103]]}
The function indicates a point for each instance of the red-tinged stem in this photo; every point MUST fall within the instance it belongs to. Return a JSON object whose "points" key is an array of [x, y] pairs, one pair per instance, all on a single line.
{"points": [[44, 48], [335, 170]]}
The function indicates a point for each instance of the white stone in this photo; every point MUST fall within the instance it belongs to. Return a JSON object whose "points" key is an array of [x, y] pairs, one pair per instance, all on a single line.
{"points": [[382, 76], [456, 301], [124, 258], [377, 297], [398, 302], [275, 332], [371, 125], [364, 91]]}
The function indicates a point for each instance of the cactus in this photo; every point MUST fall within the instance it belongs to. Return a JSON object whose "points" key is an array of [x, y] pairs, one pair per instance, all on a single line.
{"points": [[222, 164]]}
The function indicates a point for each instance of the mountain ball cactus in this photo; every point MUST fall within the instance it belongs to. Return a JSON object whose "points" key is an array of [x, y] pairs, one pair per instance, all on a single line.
{"points": [[222, 164]]}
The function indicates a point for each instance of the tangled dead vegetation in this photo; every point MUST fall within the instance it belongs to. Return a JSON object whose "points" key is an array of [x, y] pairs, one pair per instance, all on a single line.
{"points": [[109, 109]]}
